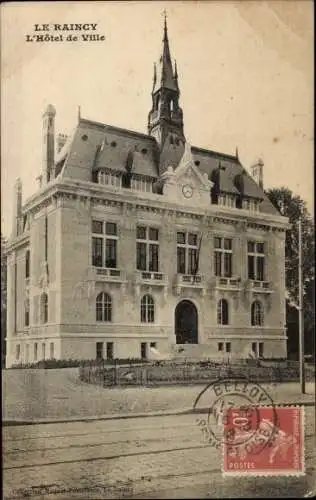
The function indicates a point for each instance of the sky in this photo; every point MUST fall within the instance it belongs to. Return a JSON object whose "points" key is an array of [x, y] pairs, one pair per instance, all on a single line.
{"points": [[245, 76]]}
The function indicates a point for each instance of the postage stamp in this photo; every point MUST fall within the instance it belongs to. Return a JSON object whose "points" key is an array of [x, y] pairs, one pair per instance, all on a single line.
{"points": [[264, 446], [227, 393], [254, 435]]}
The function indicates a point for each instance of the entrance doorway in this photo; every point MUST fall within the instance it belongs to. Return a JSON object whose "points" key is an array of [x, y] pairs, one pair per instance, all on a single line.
{"points": [[186, 323]]}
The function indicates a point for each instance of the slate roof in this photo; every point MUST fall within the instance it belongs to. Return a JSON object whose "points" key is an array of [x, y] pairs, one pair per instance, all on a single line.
{"points": [[95, 146]]}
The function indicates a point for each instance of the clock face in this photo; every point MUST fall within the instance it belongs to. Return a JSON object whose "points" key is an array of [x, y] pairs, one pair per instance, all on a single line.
{"points": [[187, 191]]}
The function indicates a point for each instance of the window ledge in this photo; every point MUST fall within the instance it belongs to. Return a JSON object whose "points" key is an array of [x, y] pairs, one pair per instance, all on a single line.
{"points": [[259, 286], [152, 278], [232, 283], [114, 275], [185, 281]]}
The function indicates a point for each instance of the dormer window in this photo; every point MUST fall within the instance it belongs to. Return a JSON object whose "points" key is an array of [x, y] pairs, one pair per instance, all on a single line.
{"points": [[140, 183], [109, 178]]}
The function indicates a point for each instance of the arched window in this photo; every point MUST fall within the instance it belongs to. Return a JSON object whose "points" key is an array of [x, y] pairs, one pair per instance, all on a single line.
{"points": [[257, 313], [44, 308], [147, 309], [222, 312], [103, 307], [27, 264]]}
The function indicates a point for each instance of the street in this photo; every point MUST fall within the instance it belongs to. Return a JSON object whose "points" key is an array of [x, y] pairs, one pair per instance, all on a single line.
{"points": [[153, 457]]}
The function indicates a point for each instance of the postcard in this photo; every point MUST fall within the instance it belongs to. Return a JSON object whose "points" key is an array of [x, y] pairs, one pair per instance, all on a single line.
{"points": [[157, 249]]}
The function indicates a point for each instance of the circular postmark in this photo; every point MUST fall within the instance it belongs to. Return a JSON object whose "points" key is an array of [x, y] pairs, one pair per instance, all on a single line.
{"points": [[236, 415]]}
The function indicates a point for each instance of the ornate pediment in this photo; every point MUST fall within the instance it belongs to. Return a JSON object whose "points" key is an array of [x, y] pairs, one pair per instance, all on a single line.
{"points": [[186, 184]]}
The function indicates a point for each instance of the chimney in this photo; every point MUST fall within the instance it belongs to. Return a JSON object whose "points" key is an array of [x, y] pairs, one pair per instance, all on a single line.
{"points": [[257, 172], [17, 208], [48, 167], [61, 141]]}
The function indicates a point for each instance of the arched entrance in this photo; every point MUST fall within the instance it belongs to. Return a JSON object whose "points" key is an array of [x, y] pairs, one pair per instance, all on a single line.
{"points": [[186, 323]]}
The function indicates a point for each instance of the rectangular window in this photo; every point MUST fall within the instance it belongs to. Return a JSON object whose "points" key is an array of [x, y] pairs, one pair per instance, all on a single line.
{"points": [[141, 233], [99, 350], [109, 350], [143, 350], [254, 347], [228, 347], [110, 253], [223, 257], [147, 249], [256, 261], [220, 346], [260, 349], [180, 260], [35, 351], [27, 317], [153, 258], [218, 263], [17, 352], [97, 227], [104, 246], [141, 256], [153, 344], [187, 253], [251, 267], [51, 350], [110, 229], [27, 353], [97, 252]]}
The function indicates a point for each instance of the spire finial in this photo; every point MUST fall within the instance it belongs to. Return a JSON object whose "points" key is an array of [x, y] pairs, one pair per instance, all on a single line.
{"points": [[79, 113], [165, 37]]}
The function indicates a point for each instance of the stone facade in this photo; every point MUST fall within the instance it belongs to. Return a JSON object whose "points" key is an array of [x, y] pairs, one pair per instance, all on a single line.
{"points": [[110, 175]]}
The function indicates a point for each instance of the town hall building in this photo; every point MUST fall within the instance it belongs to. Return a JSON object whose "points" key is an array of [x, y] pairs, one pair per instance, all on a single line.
{"points": [[140, 243]]}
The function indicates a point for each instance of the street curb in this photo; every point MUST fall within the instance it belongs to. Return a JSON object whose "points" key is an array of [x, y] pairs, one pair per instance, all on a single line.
{"points": [[124, 416]]}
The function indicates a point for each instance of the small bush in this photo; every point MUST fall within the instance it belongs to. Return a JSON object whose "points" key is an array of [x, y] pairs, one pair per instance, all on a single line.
{"points": [[74, 363], [50, 364]]}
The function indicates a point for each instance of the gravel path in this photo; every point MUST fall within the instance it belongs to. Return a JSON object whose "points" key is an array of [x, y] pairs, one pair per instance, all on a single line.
{"points": [[58, 394]]}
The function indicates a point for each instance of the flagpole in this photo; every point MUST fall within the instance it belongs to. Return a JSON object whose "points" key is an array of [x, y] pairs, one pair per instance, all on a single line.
{"points": [[301, 309]]}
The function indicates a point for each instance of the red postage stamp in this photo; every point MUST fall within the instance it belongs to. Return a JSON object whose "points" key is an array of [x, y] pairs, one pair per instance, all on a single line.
{"points": [[264, 441]]}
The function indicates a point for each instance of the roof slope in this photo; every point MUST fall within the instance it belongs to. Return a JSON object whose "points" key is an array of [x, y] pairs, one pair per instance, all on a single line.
{"points": [[98, 146]]}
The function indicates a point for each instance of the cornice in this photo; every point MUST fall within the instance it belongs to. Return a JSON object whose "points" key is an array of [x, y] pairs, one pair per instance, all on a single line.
{"points": [[149, 202]]}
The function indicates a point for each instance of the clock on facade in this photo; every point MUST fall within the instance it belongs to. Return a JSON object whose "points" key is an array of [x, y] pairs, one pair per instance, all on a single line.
{"points": [[187, 191]]}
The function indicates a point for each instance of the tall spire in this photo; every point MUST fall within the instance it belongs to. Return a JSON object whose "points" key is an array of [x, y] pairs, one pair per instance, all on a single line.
{"points": [[165, 76], [165, 37], [166, 115]]}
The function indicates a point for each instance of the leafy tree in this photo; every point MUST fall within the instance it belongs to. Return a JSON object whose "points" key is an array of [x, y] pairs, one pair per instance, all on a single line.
{"points": [[294, 207]]}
